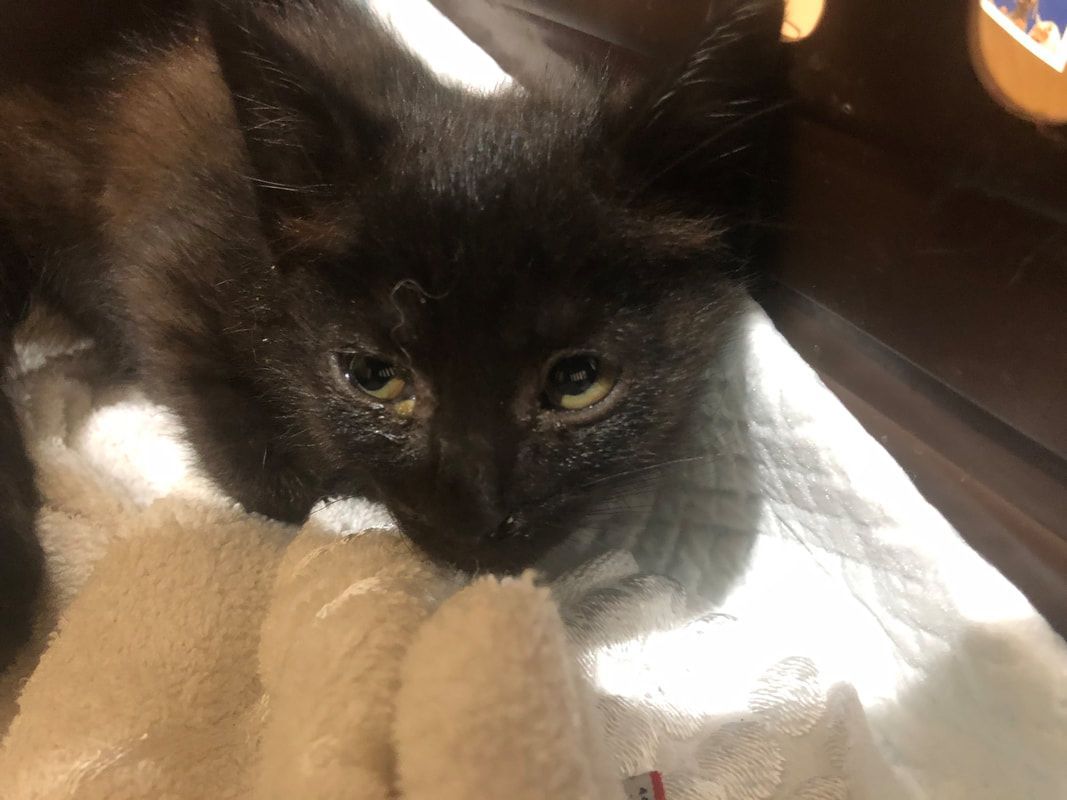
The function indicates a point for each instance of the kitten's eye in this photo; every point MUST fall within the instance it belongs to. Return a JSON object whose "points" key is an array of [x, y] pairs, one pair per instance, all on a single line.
{"points": [[578, 381], [380, 379]]}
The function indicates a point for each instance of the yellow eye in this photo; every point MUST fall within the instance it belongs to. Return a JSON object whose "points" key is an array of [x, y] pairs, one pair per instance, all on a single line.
{"points": [[380, 379], [579, 381]]}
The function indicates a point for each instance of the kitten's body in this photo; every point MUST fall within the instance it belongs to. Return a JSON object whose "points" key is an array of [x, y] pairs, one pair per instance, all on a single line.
{"points": [[228, 210]]}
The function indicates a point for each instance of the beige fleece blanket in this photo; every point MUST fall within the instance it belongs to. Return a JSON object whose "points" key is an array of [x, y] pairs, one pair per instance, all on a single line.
{"points": [[211, 660]]}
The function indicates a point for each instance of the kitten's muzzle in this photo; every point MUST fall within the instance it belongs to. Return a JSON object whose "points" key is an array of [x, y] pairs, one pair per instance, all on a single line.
{"points": [[470, 541], [479, 529]]}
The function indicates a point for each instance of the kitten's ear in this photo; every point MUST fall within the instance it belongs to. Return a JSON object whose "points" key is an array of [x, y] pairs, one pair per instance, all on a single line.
{"points": [[693, 130], [305, 137]]}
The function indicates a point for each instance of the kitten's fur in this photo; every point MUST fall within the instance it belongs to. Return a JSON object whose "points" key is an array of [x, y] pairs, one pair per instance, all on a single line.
{"points": [[278, 182]]}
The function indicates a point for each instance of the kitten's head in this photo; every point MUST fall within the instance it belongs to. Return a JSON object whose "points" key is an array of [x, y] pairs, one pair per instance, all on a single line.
{"points": [[490, 312]]}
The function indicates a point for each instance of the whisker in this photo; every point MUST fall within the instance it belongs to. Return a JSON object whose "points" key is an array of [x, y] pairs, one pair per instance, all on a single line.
{"points": [[646, 469], [739, 122]]}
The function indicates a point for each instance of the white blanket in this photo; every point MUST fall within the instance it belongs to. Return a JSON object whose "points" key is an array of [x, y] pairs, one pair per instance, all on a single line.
{"points": [[848, 644], [857, 646]]}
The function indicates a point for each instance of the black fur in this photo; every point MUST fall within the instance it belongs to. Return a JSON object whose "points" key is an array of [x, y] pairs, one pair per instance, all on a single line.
{"points": [[280, 182]]}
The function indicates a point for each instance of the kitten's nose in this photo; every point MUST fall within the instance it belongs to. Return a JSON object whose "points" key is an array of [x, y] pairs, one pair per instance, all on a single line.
{"points": [[471, 512], [505, 529], [469, 490]]}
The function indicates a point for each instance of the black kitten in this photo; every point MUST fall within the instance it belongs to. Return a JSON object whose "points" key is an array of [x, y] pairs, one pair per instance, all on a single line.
{"points": [[348, 278]]}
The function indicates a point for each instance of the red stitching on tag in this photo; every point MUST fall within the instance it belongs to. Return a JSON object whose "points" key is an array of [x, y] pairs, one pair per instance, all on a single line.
{"points": [[657, 785]]}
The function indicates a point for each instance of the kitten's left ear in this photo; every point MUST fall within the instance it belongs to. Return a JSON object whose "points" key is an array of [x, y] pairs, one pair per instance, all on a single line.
{"points": [[693, 131], [305, 137]]}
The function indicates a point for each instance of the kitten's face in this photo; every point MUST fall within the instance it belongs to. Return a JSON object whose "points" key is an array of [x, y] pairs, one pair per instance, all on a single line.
{"points": [[485, 329], [495, 372]]}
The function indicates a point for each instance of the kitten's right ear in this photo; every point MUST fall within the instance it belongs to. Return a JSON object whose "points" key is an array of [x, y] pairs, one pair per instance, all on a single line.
{"points": [[304, 136], [693, 128]]}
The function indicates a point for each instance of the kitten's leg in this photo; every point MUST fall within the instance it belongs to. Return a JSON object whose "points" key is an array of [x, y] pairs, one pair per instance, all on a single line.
{"points": [[21, 558], [242, 446]]}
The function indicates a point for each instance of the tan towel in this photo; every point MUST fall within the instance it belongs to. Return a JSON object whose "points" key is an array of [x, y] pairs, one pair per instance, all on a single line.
{"points": [[208, 658]]}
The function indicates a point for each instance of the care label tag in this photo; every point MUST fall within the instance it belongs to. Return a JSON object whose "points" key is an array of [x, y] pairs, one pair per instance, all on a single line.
{"points": [[645, 787]]}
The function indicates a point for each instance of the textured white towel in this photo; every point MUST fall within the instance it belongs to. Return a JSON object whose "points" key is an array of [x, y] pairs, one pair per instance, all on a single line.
{"points": [[855, 646]]}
